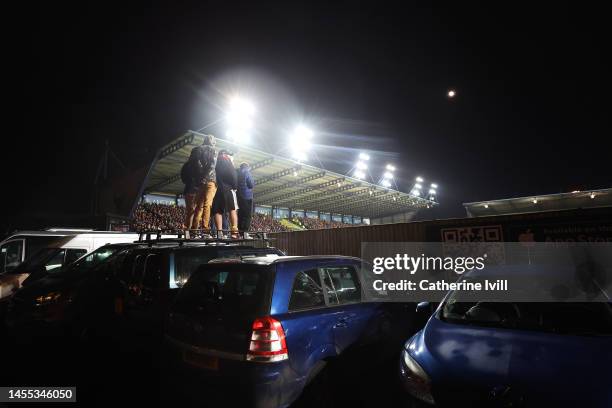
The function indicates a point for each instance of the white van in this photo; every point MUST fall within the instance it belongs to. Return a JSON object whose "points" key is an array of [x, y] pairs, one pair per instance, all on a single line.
{"points": [[50, 249]]}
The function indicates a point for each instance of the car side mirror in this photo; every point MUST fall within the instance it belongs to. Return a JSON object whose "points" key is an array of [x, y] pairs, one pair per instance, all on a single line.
{"points": [[424, 309]]}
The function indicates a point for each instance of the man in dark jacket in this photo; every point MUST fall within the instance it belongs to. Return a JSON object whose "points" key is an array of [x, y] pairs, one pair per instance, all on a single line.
{"points": [[245, 197], [199, 199], [190, 177], [225, 199]]}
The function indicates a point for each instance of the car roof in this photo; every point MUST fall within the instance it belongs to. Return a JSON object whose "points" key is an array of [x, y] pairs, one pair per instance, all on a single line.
{"points": [[176, 246], [269, 260]]}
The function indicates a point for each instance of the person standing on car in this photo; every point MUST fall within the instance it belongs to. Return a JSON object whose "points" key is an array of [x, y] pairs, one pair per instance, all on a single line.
{"points": [[190, 174], [226, 200], [245, 197], [207, 184]]}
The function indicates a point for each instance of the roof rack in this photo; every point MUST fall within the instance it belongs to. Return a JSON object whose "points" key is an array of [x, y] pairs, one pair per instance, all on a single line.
{"points": [[220, 237]]}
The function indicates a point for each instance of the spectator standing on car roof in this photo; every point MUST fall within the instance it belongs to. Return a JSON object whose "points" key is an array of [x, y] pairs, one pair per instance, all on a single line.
{"points": [[226, 199], [190, 174], [245, 197], [203, 171]]}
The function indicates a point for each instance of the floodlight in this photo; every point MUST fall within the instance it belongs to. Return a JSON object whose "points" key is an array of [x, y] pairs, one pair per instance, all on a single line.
{"points": [[241, 105], [434, 185], [386, 183], [390, 167], [592, 196], [300, 142], [486, 206], [388, 175], [535, 201], [417, 186], [239, 120], [416, 192], [359, 174], [419, 179], [432, 191], [361, 165], [364, 156], [451, 93]]}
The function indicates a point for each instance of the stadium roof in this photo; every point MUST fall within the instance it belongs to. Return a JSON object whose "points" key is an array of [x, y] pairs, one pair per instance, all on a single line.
{"points": [[548, 202], [283, 182]]}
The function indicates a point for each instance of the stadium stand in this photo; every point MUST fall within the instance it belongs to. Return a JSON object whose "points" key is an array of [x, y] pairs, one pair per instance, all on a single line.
{"points": [[153, 216], [287, 193]]}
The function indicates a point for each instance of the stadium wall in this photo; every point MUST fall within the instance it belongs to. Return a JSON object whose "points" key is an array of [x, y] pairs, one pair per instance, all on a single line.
{"points": [[584, 225]]}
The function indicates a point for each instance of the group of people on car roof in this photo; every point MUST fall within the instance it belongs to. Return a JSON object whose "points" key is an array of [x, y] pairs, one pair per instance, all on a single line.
{"points": [[214, 187]]}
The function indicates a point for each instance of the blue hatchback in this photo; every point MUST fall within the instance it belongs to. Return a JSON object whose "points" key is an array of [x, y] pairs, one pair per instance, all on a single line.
{"points": [[268, 325], [510, 354]]}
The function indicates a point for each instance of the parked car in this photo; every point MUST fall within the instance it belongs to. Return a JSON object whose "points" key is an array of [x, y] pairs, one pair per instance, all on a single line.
{"points": [[146, 280], [54, 249], [132, 289], [268, 326], [510, 354]]}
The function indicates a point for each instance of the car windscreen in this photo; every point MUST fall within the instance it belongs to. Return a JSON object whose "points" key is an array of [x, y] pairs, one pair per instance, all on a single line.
{"points": [[87, 262], [227, 289], [585, 318], [37, 260]]}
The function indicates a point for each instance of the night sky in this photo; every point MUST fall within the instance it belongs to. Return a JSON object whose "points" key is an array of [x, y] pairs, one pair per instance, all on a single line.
{"points": [[531, 115]]}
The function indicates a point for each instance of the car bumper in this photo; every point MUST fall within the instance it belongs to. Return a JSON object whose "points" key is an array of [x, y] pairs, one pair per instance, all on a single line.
{"points": [[234, 378]]}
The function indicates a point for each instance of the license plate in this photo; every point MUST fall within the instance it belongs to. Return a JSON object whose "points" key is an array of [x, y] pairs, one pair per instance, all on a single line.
{"points": [[200, 360]]}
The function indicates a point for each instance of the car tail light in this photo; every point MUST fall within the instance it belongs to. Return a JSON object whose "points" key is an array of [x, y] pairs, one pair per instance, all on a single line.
{"points": [[268, 342]]}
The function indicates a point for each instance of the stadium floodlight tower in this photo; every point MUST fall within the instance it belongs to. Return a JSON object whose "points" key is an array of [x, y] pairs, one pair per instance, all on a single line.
{"points": [[416, 189], [361, 166], [239, 120], [300, 142], [432, 191], [388, 177]]}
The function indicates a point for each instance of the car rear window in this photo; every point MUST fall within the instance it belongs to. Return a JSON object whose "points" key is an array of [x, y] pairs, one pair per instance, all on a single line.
{"points": [[228, 289], [186, 261]]}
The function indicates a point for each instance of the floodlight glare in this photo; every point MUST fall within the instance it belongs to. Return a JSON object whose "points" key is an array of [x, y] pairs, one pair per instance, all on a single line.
{"points": [[419, 179], [535, 201], [386, 183], [359, 174], [239, 120], [361, 165], [390, 167], [434, 185], [241, 105], [416, 192], [364, 156], [432, 191], [417, 186], [592, 196], [388, 175], [300, 142]]}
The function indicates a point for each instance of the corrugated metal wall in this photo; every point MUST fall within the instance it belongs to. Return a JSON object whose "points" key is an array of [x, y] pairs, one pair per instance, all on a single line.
{"points": [[347, 241]]}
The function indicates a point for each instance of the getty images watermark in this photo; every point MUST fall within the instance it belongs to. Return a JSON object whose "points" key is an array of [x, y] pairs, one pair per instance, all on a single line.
{"points": [[491, 271]]}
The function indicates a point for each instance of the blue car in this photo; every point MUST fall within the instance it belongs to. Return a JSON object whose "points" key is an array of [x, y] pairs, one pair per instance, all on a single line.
{"points": [[510, 354], [266, 326]]}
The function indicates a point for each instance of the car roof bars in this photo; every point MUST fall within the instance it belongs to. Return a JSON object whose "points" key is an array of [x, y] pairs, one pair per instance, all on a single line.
{"points": [[222, 237]]}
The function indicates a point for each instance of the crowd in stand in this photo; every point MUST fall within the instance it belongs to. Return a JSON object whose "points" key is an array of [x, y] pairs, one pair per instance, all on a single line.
{"points": [[154, 216], [316, 223], [263, 222]]}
